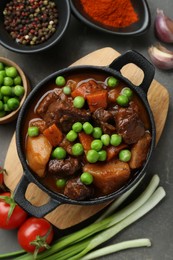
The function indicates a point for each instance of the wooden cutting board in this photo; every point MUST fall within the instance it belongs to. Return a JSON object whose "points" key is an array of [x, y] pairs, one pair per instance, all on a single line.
{"points": [[66, 216]]}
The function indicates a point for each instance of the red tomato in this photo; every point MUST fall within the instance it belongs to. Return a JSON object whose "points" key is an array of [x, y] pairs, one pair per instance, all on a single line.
{"points": [[35, 234], [11, 214]]}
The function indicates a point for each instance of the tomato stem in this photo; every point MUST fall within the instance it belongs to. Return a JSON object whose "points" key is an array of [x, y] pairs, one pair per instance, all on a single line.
{"points": [[40, 242], [11, 202]]}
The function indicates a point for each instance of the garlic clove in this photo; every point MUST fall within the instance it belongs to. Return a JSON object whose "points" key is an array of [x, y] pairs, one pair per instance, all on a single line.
{"points": [[163, 27], [161, 57]]}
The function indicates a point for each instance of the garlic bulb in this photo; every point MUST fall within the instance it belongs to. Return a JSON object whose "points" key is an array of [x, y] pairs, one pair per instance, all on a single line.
{"points": [[163, 27], [161, 57]]}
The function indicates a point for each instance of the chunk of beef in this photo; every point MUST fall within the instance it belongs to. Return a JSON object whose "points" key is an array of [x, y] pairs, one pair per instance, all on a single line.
{"points": [[41, 124], [129, 125], [105, 120], [76, 190], [64, 168], [110, 176], [139, 151], [67, 145], [46, 101], [65, 115]]}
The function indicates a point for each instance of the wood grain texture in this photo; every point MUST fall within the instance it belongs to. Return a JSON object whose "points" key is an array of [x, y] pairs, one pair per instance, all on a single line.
{"points": [[66, 216]]}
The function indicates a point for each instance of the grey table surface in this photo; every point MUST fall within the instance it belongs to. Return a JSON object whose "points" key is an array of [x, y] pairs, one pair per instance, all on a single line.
{"points": [[78, 41]]}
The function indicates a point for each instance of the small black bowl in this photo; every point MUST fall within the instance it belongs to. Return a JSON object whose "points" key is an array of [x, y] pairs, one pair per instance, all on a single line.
{"points": [[63, 20], [28, 177], [141, 26]]}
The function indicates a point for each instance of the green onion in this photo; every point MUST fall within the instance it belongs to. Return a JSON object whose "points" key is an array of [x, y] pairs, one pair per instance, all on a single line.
{"points": [[118, 247], [155, 198], [12, 254]]}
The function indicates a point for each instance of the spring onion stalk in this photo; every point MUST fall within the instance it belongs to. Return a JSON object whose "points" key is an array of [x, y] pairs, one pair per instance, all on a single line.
{"points": [[155, 198], [70, 251], [106, 223], [143, 242], [12, 254], [115, 205]]}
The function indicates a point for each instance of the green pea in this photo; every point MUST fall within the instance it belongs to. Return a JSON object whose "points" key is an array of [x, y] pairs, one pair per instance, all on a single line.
{"points": [[60, 81], [60, 183], [6, 90], [125, 155], [97, 132], [6, 108], [77, 149], [5, 99], [11, 72], [1, 96], [127, 92], [102, 155], [77, 127], [88, 128], [18, 90], [67, 90], [33, 131], [2, 73], [8, 81], [1, 65], [86, 178], [112, 82], [59, 153], [115, 139], [13, 103], [71, 135], [78, 102], [122, 100], [105, 138], [92, 156], [1, 80], [17, 80], [2, 113], [1, 105], [96, 145]]}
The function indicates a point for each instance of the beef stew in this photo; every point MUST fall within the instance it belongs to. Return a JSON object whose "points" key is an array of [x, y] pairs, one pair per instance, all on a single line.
{"points": [[58, 155]]}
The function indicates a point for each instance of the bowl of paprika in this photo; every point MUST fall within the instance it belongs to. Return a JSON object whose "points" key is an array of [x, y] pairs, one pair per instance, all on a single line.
{"points": [[32, 26], [119, 17]]}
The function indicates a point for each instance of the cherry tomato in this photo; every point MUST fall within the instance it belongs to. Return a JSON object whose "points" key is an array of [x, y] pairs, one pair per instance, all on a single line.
{"points": [[11, 214], [35, 235]]}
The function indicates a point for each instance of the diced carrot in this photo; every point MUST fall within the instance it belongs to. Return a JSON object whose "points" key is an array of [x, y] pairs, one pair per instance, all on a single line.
{"points": [[97, 100], [113, 151], [53, 134], [85, 140], [86, 88]]}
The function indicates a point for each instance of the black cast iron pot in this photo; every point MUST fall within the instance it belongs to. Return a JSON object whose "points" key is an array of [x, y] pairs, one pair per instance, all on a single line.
{"points": [[28, 177]]}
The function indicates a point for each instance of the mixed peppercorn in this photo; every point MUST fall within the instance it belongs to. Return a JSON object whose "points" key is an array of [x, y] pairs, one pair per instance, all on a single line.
{"points": [[30, 22]]}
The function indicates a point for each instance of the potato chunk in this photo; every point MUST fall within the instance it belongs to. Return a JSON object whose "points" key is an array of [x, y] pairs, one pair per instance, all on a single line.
{"points": [[109, 177], [139, 151], [38, 150]]}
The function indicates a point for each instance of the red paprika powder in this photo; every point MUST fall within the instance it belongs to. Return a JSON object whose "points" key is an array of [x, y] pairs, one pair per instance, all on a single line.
{"points": [[114, 13]]}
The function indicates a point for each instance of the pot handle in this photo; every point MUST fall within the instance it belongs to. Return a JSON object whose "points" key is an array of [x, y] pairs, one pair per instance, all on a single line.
{"points": [[37, 211], [139, 60]]}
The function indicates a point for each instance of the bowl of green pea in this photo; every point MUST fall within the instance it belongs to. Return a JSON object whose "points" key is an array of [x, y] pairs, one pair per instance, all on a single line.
{"points": [[14, 88]]}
